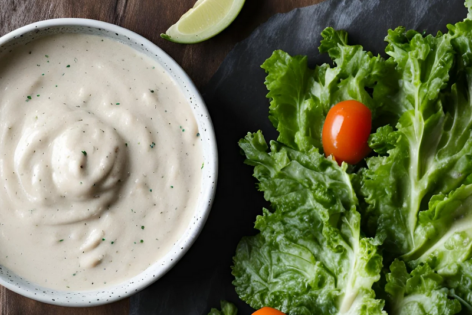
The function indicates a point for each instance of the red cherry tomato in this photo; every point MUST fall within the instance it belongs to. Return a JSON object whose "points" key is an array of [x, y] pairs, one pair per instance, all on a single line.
{"points": [[268, 311], [346, 131]]}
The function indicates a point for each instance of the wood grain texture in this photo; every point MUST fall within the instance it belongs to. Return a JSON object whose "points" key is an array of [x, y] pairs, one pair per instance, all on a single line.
{"points": [[148, 18]]}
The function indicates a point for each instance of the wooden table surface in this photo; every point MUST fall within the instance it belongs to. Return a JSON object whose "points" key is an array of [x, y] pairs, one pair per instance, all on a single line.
{"points": [[148, 18]]}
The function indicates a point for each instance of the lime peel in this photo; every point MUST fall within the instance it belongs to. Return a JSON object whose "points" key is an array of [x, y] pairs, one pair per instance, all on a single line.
{"points": [[206, 19]]}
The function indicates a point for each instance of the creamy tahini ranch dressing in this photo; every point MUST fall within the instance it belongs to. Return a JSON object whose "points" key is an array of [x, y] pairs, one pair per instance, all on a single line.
{"points": [[100, 162]]}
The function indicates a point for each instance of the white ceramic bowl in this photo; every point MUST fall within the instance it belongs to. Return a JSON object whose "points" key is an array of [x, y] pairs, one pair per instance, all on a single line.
{"points": [[109, 294]]}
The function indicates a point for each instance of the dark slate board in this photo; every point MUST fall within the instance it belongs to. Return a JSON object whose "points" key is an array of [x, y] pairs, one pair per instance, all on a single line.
{"points": [[236, 100]]}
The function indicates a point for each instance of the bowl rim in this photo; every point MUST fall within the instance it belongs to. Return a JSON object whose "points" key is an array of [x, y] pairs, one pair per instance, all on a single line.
{"points": [[207, 194]]}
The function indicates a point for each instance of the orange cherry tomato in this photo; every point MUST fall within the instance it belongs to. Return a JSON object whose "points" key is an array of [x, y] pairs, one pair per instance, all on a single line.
{"points": [[268, 311], [346, 131]]}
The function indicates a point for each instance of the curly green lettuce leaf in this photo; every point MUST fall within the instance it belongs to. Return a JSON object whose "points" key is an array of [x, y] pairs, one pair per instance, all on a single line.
{"points": [[420, 292], [419, 196], [432, 152], [358, 69], [468, 4], [284, 170], [227, 308], [301, 97], [445, 233], [309, 257], [384, 140], [453, 262]]}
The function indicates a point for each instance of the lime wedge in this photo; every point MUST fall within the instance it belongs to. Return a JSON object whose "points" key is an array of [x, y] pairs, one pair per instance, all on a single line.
{"points": [[206, 19]]}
